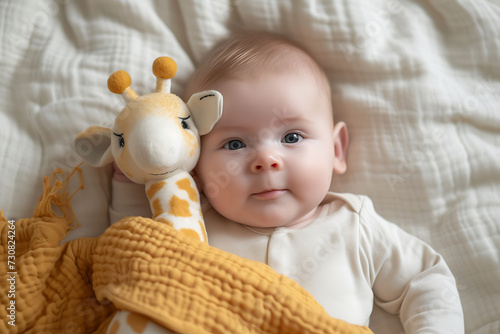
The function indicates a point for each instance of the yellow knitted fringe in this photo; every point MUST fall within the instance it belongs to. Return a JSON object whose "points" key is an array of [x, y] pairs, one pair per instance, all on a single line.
{"points": [[55, 193]]}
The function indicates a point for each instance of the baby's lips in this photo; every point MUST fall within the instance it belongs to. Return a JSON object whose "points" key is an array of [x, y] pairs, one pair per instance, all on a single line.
{"points": [[270, 194]]}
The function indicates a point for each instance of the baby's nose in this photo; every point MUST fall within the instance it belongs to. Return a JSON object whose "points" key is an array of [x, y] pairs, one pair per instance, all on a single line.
{"points": [[266, 161]]}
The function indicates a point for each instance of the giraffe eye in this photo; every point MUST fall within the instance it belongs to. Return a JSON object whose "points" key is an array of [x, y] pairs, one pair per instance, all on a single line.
{"points": [[121, 141], [184, 124]]}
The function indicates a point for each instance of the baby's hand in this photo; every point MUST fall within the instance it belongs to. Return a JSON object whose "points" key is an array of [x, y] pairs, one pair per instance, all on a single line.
{"points": [[118, 174]]}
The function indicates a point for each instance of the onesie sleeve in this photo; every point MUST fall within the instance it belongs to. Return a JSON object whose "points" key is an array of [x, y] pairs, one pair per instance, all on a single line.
{"points": [[408, 277], [128, 199]]}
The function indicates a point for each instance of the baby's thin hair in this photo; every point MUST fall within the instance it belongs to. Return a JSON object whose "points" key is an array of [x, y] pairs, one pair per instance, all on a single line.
{"points": [[254, 52]]}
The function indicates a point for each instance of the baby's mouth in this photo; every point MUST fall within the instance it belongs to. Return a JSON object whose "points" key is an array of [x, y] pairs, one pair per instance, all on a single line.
{"points": [[269, 194]]}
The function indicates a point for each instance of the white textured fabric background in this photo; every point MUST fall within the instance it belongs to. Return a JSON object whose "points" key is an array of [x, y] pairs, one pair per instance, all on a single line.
{"points": [[417, 82]]}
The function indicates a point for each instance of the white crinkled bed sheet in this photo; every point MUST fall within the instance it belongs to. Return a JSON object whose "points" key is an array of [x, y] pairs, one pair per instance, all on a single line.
{"points": [[417, 83]]}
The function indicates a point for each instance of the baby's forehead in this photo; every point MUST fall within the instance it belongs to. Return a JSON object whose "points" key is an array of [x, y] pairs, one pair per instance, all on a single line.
{"points": [[297, 65], [275, 98], [309, 79]]}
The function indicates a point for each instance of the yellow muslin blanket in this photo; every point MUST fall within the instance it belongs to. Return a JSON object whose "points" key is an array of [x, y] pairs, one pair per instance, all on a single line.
{"points": [[143, 266]]}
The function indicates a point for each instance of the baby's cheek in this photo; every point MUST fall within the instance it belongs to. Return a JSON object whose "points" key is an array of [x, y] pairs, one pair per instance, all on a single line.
{"points": [[214, 182], [314, 181]]}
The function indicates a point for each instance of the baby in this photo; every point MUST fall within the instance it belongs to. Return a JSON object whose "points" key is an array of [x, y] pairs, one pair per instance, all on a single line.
{"points": [[266, 169]]}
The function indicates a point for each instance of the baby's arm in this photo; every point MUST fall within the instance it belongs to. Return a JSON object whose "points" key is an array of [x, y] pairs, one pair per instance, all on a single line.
{"points": [[127, 198], [409, 278]]}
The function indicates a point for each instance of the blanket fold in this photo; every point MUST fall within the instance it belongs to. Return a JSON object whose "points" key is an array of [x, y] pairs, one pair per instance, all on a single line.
{"points": [[146, 267]]}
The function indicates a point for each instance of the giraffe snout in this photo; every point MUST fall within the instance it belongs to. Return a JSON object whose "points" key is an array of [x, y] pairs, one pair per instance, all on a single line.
{"points": [[155, 146]]}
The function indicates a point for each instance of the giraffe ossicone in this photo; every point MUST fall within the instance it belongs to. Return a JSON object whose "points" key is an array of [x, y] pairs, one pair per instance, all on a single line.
{"points": [[155, 141]]}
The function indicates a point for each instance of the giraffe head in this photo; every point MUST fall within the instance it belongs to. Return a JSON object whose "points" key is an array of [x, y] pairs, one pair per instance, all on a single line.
{"points": [[155, 135]]}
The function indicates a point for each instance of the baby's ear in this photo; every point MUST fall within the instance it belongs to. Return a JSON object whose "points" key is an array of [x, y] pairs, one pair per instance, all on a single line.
{"points": [[94, 146], [206, 108], [340, 143]]}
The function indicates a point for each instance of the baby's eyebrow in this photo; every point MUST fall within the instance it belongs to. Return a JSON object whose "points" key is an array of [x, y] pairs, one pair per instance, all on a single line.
{"points": [[231, 128], [294, 118], [291, 119]]}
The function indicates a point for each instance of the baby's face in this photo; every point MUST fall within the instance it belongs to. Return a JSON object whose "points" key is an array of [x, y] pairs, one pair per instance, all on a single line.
{"points": [[269, 160]]}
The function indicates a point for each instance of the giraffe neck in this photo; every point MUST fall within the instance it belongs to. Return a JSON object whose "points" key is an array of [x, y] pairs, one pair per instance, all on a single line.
{"points": [[175, 201]]}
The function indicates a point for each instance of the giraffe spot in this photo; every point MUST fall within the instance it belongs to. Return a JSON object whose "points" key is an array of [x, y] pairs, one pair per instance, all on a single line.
{"points": [[179, 207], [137, 322], [154, 189], [185, 184], [165, 221], [157, 208], [190, 233], [114, 327]]}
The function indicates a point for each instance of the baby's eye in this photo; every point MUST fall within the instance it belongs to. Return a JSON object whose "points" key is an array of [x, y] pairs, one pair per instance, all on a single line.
{"points": [[234, 144], [292, 138]]}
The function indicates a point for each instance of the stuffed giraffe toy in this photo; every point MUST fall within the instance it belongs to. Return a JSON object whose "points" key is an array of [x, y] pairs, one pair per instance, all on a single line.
{"points": [[155, 141]]}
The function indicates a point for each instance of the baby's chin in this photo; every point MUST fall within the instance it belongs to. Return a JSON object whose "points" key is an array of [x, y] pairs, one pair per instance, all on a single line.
{"points": [[274, 215]]}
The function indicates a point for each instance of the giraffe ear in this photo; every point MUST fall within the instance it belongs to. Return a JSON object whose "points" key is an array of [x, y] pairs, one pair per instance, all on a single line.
{"points": [[94, 146], [206, 109]]}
